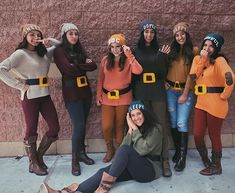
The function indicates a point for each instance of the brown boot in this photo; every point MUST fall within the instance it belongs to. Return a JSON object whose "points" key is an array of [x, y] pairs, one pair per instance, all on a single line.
{"points": [[106, 183], [45, 188], [215, 167], [109, 154], [30, 147], [204, 155], [76, 171], [43, 147], [166, 169]]}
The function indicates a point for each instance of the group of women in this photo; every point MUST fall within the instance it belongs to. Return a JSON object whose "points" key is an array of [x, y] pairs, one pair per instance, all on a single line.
{"points": [[135, 88]]}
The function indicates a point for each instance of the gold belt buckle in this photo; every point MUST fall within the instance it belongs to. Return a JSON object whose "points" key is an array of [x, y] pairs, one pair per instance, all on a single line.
{"points": [[200, 89], [149, 78], [114, 94], [177, 86], [82, 81], [41, 83]]}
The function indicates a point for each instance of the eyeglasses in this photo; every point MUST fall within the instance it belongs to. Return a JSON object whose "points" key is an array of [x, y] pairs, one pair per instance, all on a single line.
{"points": [[115, 47]]}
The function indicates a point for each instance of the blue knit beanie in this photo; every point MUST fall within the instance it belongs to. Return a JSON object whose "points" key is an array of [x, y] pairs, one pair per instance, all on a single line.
{"points": [[135, 105], [216, 39], [147, 24]]}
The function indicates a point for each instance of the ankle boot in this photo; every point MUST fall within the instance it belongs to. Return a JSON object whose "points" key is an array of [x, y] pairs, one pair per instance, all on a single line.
{"points": [[180, 165], [30, 147], [176, 140], [204, 155], [76, 171], [43, 147], [215, 167], [110, 152], [82, 157], [106, 183], [166, 169]]}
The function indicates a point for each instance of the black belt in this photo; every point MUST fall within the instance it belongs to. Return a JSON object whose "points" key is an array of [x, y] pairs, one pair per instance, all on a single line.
{"points": [[154, 157], [79, 81], [121, 92], [37, 81], [176, 84], [203, 89]]}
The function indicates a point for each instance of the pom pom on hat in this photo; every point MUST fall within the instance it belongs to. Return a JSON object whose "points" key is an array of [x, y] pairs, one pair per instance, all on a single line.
{"points": [[65, 27], [181, 26], [26, 28], [147, 24], [216, 39], [117, 38], [136, 105]]}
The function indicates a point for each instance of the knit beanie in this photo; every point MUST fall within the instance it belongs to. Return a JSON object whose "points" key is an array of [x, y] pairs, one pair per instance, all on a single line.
{"points": [[216, 39], [147, 24], [26, 28], [65, 27], [117, 38], [136, 105], [181, 26]]}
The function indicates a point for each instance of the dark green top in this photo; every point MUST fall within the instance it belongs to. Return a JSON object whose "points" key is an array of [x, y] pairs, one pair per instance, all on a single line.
{"points": [[152, 61]]}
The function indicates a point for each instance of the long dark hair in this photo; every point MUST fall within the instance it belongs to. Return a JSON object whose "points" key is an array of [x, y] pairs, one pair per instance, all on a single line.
{"points": [[215, 54], [111, 61], [148, 124], [75, 52], [141, 42], [186, 51], [40, 48]]}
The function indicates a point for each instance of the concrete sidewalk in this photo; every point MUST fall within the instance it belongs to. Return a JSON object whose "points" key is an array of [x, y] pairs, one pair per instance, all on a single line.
{"points": [[14, 177]]}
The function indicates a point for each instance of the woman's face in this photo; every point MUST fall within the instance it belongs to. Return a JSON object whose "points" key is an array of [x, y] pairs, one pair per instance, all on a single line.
{"points": [[180, 37], [209, 47], [72, 36], [148, 36], [32, 38], [137, 117], [116, 49]]}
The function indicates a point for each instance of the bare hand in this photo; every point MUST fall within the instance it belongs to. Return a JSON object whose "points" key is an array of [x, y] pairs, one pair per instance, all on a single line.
{"points": [[165, 49], [99, 101], [126, 49], [130, 123], [204, 53], [182, 99], [167, 86]]}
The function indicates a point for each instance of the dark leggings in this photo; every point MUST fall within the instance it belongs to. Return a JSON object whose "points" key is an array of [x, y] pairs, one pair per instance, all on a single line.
{"points": [[127, 165], [202, 121], [78, 112], [32, 108]]}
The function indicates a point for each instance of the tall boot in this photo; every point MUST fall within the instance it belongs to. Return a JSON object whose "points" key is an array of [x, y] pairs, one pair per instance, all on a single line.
{"points": [[176, 140], [204, 155], [180, 165], [106, 183], [215, 167], [110, 152], [43, 147], [76, 170], [30, 147], [82, 157]]}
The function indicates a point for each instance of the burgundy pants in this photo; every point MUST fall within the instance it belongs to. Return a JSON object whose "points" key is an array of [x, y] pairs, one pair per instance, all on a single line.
{"points": [[202, 121], [32, 108]]}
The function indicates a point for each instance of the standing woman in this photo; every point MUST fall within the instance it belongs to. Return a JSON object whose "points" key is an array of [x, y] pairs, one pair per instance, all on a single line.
{"points": [[73, 64], [150, 85], [214, 84], [113, 89], [30, 62], [179, 91], [138, 158]]}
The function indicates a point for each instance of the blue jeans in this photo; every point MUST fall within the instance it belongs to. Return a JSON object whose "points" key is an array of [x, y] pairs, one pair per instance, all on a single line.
{"points": [[179, 113]]}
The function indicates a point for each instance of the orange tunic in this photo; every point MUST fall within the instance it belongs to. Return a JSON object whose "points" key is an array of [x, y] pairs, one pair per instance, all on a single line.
{"points": [[116, 79], [213, 75]]}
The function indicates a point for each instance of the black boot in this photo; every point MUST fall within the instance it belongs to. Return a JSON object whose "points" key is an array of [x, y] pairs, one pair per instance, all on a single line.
{"points": [[215, 167], [204, 154], [43, 147], [76, 170], [176, 140], [82, 157], [180, 165]]}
